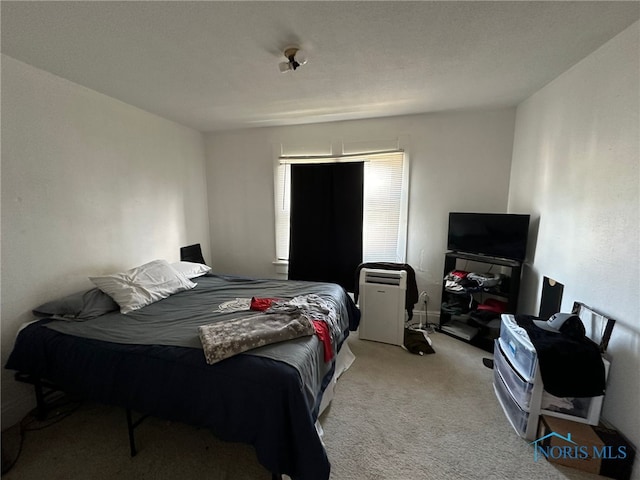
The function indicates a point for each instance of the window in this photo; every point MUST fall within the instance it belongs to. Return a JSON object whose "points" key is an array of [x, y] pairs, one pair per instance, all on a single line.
{"points": [[283, 205], [385, 205]]}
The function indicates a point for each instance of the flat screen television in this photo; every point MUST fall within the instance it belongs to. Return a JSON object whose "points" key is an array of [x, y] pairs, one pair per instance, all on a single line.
{"points": [[501, 235]]}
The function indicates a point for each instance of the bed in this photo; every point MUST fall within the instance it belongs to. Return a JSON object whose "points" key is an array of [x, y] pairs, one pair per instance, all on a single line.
{"points": [[150, 361]]}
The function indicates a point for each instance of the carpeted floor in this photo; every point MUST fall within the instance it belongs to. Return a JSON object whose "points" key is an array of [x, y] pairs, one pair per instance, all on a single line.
{"points": [[395, 416]]}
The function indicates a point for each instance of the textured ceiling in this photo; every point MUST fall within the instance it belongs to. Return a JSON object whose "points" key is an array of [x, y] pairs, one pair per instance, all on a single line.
{"points": [[214, 65]]}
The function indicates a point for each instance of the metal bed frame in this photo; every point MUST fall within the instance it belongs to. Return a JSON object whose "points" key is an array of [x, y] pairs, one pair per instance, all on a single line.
{"points": [[42, 409]]}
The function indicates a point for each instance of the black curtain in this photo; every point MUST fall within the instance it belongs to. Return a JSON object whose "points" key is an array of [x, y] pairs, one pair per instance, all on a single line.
{"points": [[326, 222]]}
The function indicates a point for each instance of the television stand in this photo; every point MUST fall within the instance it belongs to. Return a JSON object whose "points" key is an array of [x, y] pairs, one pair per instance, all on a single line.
{"points": [[467, 324], [460, 330]]}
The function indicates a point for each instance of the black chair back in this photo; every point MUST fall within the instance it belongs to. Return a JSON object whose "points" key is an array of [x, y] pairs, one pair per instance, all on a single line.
{"points": [[192, 253]]}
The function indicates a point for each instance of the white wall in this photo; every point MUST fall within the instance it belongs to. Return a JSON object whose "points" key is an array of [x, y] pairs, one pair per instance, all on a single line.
{"points": [[575, 165], [90, 185], [458, 161]]}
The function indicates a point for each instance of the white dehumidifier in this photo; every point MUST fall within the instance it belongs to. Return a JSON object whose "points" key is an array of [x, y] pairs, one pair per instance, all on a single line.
{"points": [[382, 305]]}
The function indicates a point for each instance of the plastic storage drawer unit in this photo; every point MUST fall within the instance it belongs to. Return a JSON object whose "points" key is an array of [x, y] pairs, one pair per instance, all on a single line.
{"points": [[518, 348], [519, 388], [518, 418]]}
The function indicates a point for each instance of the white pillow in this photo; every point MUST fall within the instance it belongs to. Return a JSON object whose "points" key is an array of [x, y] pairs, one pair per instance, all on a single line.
{"points": [[143, 285], [190, 269]]}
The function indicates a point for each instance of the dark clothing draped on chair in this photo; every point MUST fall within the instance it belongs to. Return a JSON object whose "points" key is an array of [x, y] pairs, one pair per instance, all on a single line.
{"points": [[326, 222]]}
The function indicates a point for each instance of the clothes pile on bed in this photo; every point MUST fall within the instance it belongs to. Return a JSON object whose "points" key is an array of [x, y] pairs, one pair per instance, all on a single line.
{"points": [[282, 320]]}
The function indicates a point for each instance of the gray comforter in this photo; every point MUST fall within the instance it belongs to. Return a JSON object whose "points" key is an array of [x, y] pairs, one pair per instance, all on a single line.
{"points": [[174, 321]]}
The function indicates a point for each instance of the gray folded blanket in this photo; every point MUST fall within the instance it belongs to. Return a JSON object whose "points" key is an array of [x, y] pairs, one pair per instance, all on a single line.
{"points": [[224, 339]]}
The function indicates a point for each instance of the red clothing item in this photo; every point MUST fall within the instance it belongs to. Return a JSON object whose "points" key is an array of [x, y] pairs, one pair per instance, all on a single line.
{"points": [[322, 330], [261, 304], [494, 305]]}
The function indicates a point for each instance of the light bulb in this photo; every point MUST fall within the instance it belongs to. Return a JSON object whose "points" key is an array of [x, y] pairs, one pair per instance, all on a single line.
{"points": [[284, 67], [301, 57]]}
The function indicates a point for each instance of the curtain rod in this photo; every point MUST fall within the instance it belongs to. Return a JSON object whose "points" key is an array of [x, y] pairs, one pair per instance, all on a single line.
{"points": [[335, 158]]}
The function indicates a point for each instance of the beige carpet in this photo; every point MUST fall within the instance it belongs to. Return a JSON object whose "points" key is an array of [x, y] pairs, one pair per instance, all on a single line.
{"points": [[395, 416]]}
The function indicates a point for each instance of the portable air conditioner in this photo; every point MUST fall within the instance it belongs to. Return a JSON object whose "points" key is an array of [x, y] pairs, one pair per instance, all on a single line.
{"points": [[382, 305]]}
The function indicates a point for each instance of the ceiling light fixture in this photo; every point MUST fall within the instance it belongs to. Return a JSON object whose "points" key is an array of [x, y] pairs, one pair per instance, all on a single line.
{"points": [[295, 58]]}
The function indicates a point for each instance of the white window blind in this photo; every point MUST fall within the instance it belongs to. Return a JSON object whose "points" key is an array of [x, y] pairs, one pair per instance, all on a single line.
{"points": [[385, 204], [283, 205], [382, 236]]}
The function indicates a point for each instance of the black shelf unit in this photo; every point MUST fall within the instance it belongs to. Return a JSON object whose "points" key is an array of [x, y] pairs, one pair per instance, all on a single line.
{"points": [[462, 326]]}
